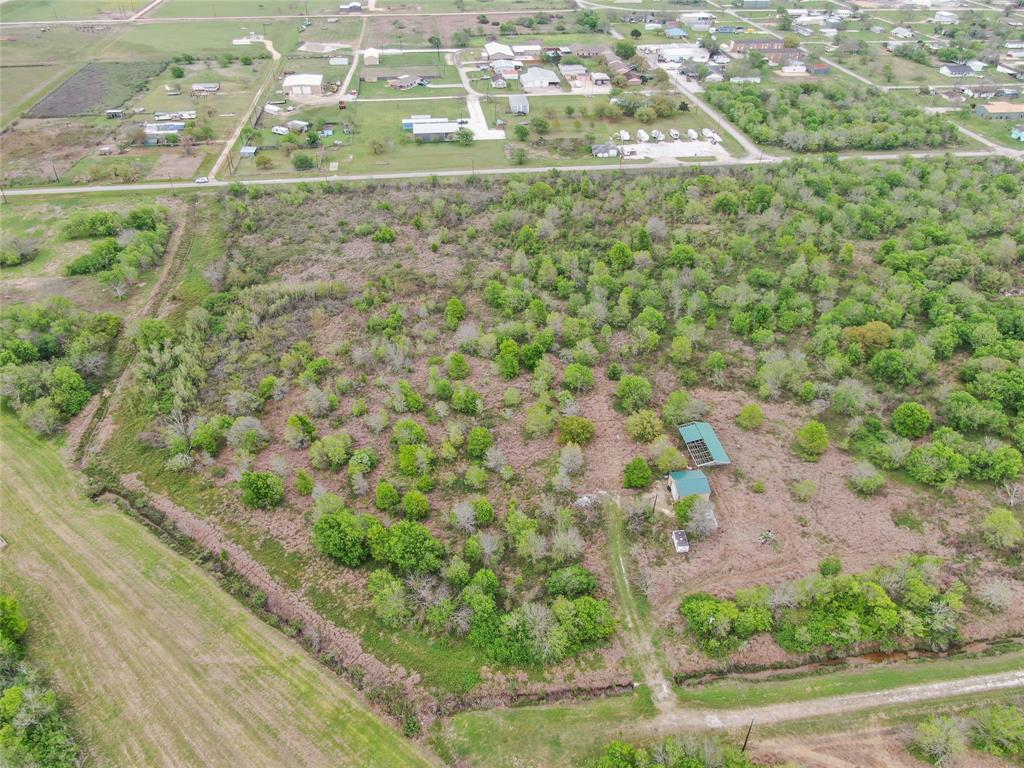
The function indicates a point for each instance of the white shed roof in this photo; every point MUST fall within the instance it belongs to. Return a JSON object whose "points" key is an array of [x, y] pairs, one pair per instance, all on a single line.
{"points": [[292, 81]]}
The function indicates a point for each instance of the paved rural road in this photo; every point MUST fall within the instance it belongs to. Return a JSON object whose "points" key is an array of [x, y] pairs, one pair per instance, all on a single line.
{"points": [[510, 171], [682, 718]]}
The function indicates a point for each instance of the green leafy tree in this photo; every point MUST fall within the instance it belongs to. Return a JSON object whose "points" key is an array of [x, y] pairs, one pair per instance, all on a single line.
{"points": [[415, 505], [263, 490], [1002, 529], [341, 536], [454, 313], [751, 417], [637, 474], [911, 420], [633, 393], [478, 441], [575, 429], [811, 441]]}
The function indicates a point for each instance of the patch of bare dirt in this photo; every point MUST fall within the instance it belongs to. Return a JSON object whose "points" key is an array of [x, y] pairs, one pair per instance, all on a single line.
{"points": [[35, 149], [175, 165], [835, 521]]}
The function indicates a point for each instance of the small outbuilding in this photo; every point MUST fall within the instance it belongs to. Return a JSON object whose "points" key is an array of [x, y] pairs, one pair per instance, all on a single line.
{"points": [[680, 542], [691, 482], [371, 57], [303, 85], [518, 104], [703, 445]]}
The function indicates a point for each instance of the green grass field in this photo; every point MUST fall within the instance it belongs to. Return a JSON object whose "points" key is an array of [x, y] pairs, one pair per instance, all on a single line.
{"points": [[54, 10], [545, 736], [216, 8], [161, 667], [734, 691], [200, 39]]}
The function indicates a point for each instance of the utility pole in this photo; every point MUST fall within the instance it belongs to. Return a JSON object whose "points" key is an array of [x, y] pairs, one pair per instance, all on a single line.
{"points": [[747, 737]]}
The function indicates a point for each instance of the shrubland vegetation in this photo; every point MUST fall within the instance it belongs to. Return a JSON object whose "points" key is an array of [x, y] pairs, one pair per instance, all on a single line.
{"points": [[813, 117], [33, 728], [996, 730], [682, 752], [437, 428], [52, 358], [830, 612], [122, 246]]}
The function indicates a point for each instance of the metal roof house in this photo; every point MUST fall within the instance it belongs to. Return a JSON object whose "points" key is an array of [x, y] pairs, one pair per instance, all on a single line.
{"points": [[703, 444], [691, 482]]}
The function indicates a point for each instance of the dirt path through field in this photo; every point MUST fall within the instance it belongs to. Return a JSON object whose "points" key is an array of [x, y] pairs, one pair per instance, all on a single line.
{"points": [[84, 434], [163, 668], [681, 719]]}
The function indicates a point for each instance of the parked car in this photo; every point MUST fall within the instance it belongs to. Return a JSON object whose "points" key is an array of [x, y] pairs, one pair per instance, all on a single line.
{"points": [[203, 180]]}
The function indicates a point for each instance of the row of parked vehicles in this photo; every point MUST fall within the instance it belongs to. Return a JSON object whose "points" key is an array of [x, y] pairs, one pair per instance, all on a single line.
{"points": [[656, 135]]}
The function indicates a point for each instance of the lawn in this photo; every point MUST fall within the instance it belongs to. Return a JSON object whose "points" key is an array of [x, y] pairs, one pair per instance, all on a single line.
{"points": [[198, 38], [161, 667], [994, 130], [545, 736], [54, 10], [474, 6], [727, 693], [214, 8], [23, 85], [64, 45]]}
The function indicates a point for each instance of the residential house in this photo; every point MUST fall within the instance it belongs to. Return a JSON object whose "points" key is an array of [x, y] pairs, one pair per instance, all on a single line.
{"points": [[756, 4], [204, 89], [698, 17], [1014, 44], [403, 82], [761, 45], [604, 150], [957, 70], [527, 53], [499, 82], [587, 51], [1000, 110], [518, 104], [441, 131], [371, 57], [794, 68], [539, 77], [976, 65], [676, 33], [901, 33], [575, 74], [946, 17], [303, 85], [507, 68], [601, 78], [495, 50], [299, 126]]}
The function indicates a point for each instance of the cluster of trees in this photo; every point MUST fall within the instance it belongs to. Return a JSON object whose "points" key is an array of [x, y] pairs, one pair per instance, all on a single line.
{"points": [[843, 286], [118, 264], [830, 117], [33, 729], [420, 583], [833, 612], [52, 358], [996, 730]]}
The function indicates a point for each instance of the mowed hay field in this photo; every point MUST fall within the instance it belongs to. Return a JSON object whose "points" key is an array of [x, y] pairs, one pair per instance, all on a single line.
{"points": [[160, 666]]}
